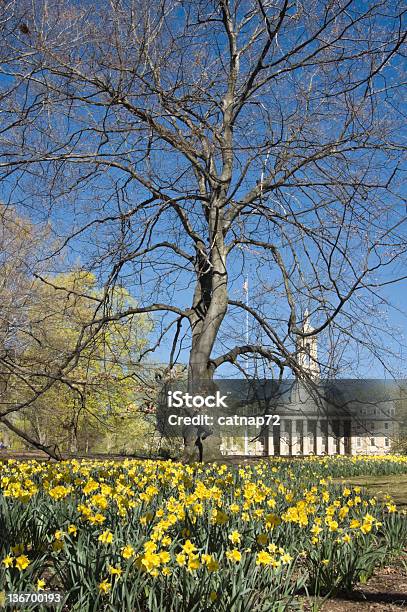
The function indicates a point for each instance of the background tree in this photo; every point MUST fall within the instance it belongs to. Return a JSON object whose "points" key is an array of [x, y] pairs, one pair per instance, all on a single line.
{"points": [[179, 143], [21, 248], [42, 319], [106, 379]]}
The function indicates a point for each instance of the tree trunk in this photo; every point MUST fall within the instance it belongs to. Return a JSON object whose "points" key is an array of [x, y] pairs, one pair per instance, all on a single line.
{"points": [[209, 309]]}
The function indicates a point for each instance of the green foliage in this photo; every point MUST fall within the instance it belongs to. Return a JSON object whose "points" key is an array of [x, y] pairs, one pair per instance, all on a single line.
{"points": [[94, 404]]}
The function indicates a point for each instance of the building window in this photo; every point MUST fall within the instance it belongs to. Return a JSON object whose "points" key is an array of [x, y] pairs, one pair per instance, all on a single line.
{"points": [[372, 442], [386, 425], [386, 442], [358, 442]]}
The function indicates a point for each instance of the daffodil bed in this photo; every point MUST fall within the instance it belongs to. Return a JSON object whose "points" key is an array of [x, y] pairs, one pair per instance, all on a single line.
{"points": [[154, 535]]}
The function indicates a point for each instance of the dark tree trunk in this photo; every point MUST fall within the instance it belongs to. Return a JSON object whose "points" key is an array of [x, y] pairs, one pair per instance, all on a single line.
{"points": [[209, 309]]}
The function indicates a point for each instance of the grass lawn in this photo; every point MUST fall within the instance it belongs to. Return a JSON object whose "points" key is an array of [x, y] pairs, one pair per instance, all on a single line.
{"points": [[395, 485]]}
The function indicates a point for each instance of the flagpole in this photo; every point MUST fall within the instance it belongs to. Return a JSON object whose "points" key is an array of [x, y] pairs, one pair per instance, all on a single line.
{"points": [[247, 315], [246, 290]]}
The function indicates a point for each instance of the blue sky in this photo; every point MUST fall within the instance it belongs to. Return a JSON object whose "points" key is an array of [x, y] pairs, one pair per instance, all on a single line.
{"points": [[63, 220]]}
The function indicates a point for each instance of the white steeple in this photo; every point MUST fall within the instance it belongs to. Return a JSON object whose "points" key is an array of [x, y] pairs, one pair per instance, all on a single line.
{"points": [[307, 349]]}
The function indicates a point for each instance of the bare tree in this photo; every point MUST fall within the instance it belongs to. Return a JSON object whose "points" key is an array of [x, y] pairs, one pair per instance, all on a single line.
{"points": [[175, 144]]}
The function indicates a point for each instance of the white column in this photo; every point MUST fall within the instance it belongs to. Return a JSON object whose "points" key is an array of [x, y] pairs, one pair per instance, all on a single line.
{"points": [[246, 442], [295, 437], [311, 438], [271, 441], [342, 438], [305, 441], [284, 447], [331, 440], [259, 448], [320, 449], [292, 436]]}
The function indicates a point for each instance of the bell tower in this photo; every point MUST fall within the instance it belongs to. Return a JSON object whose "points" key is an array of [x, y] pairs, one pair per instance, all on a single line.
{"points": [[307, 350]]}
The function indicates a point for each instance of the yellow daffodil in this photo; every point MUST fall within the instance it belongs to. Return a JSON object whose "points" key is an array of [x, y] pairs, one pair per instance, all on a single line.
{"points": [[165, 556], [188, 547], [263, 558], [181, 559], [22, 562], [106, 537], [8, 561], [193, 563], [234, 555], [235, 537], [127, 552], [105, 586]]}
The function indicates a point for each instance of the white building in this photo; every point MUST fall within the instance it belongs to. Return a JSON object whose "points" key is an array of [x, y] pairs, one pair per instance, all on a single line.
{"points": [[344, 417]]}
